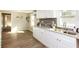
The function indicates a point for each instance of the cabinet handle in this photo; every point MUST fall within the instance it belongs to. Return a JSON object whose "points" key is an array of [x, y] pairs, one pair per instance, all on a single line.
{"points": [[58, 40]]}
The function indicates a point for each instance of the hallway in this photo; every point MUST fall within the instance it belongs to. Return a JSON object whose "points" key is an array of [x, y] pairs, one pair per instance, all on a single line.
{"points": [[20, 40]]}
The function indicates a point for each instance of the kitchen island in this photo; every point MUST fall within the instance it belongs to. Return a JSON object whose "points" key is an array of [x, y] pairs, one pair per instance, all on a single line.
{"points": [[55, 38]]}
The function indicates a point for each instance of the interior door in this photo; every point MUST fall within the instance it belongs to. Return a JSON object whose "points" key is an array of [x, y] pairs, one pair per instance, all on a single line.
{"points": [[6, 21]]}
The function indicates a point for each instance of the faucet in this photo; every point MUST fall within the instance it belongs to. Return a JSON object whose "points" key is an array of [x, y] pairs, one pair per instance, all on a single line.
{"points": [[64, 25]]}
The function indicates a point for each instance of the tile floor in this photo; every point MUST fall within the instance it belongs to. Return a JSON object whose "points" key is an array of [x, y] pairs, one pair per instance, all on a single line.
{"points": [[20, 40]]}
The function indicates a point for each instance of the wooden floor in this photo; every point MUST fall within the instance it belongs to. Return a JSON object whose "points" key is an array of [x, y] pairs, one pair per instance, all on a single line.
{"points": [[20, 40]]}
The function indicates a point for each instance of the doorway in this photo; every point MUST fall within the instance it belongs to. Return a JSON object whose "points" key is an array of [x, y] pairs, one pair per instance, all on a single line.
{"points": [[6, 22]]}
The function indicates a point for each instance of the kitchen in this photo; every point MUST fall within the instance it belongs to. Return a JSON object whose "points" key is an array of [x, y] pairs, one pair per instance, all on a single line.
{"points": [[47, 28], [40, 29], [64, 29]]}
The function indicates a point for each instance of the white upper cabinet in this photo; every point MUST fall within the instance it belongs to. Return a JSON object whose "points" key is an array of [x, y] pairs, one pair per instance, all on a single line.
{"points": [[44, 13], [48, 13], [68, 13]]}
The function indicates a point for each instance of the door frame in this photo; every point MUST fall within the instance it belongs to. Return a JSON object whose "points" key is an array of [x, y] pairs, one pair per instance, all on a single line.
{"points": [[3, 20]]}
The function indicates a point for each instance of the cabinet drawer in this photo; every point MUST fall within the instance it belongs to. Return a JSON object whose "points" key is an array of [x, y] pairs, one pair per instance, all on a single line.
{"points": [[68, 42], [69, 39]]}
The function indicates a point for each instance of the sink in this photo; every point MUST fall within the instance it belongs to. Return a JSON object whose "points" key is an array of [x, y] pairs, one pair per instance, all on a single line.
{"points": [[71, 33]]}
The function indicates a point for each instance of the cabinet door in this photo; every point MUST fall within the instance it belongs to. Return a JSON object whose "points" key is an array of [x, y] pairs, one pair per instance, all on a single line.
{"points": [[67, 42], [36, 33], [41, 34], [40, 14], [51, 39], [44, 14], [59, 40]]}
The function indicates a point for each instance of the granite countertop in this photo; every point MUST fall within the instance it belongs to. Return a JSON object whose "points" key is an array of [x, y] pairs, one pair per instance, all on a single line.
{"points": [[61, 31]]}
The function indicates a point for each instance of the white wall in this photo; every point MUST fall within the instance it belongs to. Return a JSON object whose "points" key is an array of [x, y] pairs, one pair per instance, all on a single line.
{"points": [[69, 20], [19, 20], [74, 21]]}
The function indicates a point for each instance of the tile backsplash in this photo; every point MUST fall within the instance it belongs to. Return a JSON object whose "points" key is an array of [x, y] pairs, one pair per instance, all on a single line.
{"points": [[47, 22]]}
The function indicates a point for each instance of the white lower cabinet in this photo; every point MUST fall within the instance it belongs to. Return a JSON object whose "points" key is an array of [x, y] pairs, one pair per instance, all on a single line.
{"points": [[54, 40], [68, 42], [51, 39], [35, 33]]}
